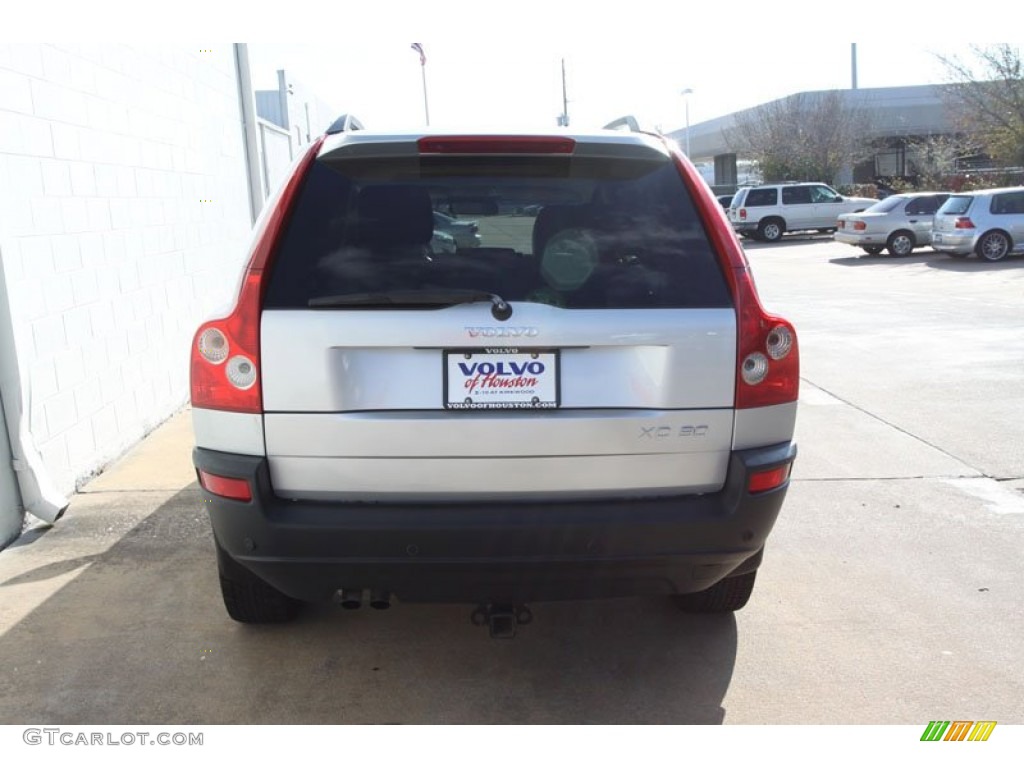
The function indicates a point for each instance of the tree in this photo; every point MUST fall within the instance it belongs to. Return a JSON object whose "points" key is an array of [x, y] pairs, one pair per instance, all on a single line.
{"points": [[933, 159], [986, 99], [804, 137]]}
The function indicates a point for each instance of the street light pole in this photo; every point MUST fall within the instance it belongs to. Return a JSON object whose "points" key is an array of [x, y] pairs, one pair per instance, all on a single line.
{"points": [[686, 97], [564, 119], [423, 71]]}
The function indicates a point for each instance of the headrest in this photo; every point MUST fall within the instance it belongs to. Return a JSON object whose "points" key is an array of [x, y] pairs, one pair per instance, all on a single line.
{"points": [[555, 218], [392, 215]]}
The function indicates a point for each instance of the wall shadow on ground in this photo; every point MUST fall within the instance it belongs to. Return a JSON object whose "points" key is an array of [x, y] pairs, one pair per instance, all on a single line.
{"points": [[140, 636]]}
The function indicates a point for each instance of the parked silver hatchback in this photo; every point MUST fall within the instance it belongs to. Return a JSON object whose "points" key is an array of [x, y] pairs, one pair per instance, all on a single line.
{"points": [[589, 403], [988, 223]]}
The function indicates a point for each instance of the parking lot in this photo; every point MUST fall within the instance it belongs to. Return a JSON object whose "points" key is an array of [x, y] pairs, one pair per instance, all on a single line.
{"points": [[890, 591]]}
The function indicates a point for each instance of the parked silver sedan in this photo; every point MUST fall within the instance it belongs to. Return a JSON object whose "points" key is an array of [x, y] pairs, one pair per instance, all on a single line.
{"points": [[899, 223], [466, 233]]}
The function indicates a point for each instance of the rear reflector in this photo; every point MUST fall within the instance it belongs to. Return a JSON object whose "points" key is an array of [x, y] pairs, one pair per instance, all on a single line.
{"points": [[494, 145], [768, 480], [228, 487]]}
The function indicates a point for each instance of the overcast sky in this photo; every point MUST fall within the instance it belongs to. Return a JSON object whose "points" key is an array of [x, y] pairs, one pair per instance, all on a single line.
{"points": [[506, 82], [499, 65]]}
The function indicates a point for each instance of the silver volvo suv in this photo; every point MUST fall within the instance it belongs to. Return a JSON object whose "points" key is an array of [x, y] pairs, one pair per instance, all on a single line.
{"points": [[589, 403]]}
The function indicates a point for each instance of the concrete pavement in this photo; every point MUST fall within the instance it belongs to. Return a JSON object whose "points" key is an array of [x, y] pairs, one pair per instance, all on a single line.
{"points": [[890, 591]]}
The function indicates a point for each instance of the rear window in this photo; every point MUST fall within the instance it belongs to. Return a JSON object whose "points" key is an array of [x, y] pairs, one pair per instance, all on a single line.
{"points": [[765, 196], [957, 205], [577, 233], [889, 204], [925, 206]]}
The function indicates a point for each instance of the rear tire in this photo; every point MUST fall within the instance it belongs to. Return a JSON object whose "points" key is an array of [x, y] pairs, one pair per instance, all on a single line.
{"points": [[250, 600], [872, 250], [771, 230], [993, 246], [730, 594], [900, 243]]}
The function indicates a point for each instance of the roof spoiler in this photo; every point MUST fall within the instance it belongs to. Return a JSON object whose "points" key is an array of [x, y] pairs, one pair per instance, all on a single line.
{"points": [[345, 124]]}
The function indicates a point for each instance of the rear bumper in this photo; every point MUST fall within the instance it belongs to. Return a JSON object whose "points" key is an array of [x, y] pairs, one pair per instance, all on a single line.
{"points": [[948, 243], [496, 552], [744, 227], [859, 239]]}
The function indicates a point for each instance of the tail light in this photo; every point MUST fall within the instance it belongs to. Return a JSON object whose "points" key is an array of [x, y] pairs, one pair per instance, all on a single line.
{"points": [[860, 226], [225, 356], [743, 214], [841, 224], [768, 372], [963, 222], [769, 369], [225, 360]]}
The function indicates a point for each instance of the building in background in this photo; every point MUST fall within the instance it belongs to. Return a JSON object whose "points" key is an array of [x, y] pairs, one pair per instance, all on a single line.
{"points": [[898, 116], [291, 112]]}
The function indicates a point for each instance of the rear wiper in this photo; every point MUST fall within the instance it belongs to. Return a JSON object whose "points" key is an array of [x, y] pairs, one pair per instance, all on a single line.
{"points": [[412, 298]]}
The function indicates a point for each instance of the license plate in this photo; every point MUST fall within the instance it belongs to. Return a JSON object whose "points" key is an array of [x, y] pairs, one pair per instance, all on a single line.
{"points": [[480, 379]]}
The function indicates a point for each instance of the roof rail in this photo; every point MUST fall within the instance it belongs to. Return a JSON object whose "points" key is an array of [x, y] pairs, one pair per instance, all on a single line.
{"points": [[626, 121], [344, 124]]}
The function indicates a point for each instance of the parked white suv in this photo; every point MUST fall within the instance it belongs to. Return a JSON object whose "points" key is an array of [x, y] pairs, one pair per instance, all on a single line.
{"points": [[769, 211], [590, 403]]}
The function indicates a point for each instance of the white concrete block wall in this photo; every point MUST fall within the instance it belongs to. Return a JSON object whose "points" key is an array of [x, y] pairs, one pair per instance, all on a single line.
{"points": [[124, 218]]}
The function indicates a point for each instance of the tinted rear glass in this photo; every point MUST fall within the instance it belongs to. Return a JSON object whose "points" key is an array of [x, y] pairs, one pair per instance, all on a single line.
{"points": [[796, 195], [757, 197], [889, 204], [956, 205], [575, 233], [1008, 202], [925, 206]]}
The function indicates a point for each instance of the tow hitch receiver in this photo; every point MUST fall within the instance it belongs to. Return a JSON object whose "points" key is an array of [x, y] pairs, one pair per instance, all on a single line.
{"points": [[501, 618]]}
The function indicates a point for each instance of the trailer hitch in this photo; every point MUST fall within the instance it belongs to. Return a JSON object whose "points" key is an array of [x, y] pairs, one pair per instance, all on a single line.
{"points": [[502, 619]]}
